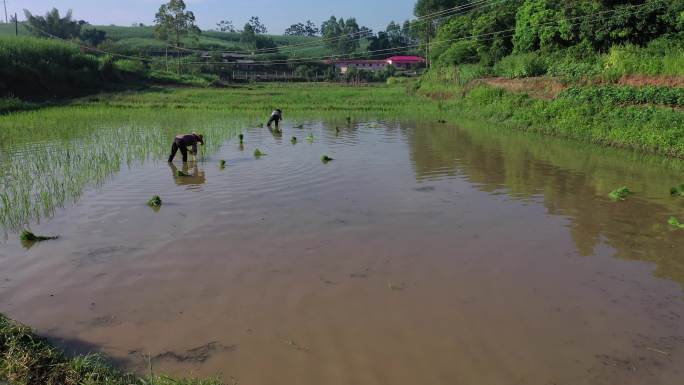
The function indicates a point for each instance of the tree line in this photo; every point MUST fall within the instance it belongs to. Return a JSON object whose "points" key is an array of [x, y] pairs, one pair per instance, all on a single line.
{"points": [[484, 33]]}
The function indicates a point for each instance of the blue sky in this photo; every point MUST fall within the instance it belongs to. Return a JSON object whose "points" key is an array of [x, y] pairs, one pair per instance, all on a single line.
{"points": [[276, 14]]}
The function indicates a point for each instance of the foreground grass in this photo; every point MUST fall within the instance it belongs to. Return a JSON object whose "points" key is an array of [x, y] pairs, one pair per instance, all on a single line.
{"points": [[27, 359], [633, 118]]}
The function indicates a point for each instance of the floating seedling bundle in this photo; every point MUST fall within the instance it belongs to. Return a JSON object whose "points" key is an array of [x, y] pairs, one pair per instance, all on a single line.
{"points": [[27, 236], [326, 159], [674, 222], [310, 138], [620, 194], [677, 191], [155, 202], [180, 173], [258, 153], [293, 140], [222, 164]]}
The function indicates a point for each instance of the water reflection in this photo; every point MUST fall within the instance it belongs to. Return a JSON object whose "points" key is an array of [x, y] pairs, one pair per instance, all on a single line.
{"points": [[570, 179], [192, 174]]}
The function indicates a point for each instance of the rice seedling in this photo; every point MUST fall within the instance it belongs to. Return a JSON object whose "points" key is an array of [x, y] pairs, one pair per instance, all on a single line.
{"points": [[674, 222], [155, 202], [337, 131], [28, 236], [620, 194], [242, 138], [310, 138], [326, 159], [258, 153], [181, 174], [299, 126], [293, 140], [222, 164]]}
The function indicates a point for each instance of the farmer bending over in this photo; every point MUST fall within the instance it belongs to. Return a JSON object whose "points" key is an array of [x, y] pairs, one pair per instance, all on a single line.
{"points": [[182, 142], [276, 117]]}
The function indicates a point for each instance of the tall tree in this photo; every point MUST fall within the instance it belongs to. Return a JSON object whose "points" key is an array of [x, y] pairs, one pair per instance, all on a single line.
{"points": [[300, 29], [426, 7], [248, 36], [257, 25], [225, 26], [342, 36], [173, 22], [52, 24]]}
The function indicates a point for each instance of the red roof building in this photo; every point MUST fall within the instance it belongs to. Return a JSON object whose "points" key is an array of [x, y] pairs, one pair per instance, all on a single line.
{"points": [[405, 62]]}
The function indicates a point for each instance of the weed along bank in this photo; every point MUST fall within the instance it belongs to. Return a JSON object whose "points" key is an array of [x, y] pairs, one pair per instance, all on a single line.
{"points": [[478, 193]]}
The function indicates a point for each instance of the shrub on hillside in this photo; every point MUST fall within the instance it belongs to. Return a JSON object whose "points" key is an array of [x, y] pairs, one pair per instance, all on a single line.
{"points": [[521, 66]]}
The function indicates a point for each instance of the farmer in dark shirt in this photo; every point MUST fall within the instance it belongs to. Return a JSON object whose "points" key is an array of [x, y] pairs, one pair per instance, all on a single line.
{"points": [[182, 142], [276, 117]]}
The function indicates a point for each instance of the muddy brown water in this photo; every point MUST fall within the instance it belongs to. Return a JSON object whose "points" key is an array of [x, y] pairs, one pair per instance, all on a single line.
{"points": [[423, 254]]}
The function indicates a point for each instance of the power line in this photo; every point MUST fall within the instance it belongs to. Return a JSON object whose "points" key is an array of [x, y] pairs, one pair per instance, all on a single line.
{"points": [[634, 10], [308, 45]]}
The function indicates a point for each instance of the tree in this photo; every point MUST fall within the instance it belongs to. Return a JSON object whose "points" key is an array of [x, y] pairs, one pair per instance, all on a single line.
{"points": [[225, 26], [248, 36], [257, 26], [93, 37], [53, 25], [173, 22], [296, 30], [343, 37], [301, 29], [426, 7]]}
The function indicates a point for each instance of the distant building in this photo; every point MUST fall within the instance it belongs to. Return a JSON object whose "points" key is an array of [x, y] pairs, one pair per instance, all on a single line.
{"points": [[405, 62], [400, 62], [363, 65]]}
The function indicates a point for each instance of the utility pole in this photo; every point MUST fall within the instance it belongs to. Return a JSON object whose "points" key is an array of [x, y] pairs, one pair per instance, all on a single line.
{"points": [[16, 24], [4, 2]]}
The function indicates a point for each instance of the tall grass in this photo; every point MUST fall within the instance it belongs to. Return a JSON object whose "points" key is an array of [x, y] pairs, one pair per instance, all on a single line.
{"points": [[31, 67], [27, 359], [652, 60]]}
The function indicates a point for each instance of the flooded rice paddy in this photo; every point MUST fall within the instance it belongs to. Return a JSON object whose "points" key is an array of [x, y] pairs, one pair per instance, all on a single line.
{"points": [[422, 254]]}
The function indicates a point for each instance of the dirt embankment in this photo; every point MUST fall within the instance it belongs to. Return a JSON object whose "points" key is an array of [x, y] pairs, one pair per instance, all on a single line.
{"points": [[646, 80]]}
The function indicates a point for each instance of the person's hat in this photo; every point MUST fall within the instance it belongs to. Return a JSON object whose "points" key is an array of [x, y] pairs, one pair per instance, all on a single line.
{"points": [[200, 137]]}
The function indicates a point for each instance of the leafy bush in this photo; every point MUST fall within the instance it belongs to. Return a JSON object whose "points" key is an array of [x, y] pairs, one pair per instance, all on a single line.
{"points": [[32, 67], [459, 53], [130, 66], [658, 58], [626, 95], [521, 66]]}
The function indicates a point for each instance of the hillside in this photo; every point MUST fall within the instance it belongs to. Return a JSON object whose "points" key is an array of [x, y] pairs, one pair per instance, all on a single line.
{"points": [[139, 40]]}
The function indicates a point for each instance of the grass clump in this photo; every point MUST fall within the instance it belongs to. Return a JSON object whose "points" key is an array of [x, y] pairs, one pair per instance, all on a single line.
{"points": [[27, 359], [27, 236], [620, 194], [677, 191], [155, 202], [326, 159], [674, 222], [258, 153]]}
